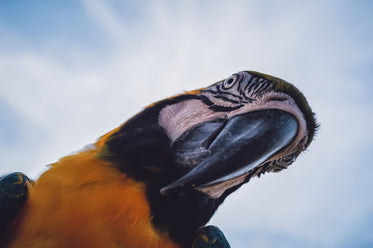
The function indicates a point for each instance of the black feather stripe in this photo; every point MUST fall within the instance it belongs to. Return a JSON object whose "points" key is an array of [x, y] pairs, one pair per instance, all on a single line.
{"points": [[263, 87], [227, 99], [251, 85], [210, 91], [217, 93], [218, 108]]}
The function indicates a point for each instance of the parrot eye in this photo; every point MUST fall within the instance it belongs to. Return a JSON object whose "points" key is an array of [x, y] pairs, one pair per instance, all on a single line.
{"points": [[229, 82]]}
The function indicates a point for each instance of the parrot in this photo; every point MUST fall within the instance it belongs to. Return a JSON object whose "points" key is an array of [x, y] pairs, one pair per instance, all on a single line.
{"points": [[157, 179]]}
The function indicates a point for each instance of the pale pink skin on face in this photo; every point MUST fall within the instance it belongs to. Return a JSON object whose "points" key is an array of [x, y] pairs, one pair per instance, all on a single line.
{"points": [[180, 117]]}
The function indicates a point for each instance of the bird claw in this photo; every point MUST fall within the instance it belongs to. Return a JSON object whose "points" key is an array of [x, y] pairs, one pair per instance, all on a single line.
{"points": [[15, 185], [14, 191], [210, 237]]}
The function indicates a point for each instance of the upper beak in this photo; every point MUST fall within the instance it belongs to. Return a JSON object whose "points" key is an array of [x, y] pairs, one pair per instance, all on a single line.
{"points": [[222, 149]]}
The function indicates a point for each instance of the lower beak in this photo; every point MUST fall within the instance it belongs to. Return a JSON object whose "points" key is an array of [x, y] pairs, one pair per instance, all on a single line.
{"points": [[222, 149]]}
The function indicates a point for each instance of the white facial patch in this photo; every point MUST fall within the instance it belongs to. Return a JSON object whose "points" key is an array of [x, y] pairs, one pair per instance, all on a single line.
{"points": [[180, 117], [177, 118], [280, 101]]}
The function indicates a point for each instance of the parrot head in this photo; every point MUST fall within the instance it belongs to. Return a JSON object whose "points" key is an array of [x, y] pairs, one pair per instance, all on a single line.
{"points": [[194, 149]]}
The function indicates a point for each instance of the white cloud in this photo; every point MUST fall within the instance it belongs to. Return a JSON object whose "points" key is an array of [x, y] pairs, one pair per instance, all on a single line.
{"points": [[105, 18]]}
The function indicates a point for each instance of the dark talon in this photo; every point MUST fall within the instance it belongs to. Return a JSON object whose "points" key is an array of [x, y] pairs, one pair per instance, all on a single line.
{"points": [[14, 191], [210, 237]]}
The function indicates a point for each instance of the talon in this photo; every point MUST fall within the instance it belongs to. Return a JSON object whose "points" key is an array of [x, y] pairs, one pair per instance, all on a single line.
{"points": [[210, 237], [14, 191], [15, 185]]}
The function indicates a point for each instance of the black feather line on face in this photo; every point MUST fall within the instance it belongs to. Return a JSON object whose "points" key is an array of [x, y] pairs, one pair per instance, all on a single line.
{"points": [[262, 87], [240, 87], [250, 84], [227, 99], [218, 108]]}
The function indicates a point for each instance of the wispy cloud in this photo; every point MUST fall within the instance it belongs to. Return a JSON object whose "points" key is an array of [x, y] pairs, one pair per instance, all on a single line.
{"points": [[102, 13]]}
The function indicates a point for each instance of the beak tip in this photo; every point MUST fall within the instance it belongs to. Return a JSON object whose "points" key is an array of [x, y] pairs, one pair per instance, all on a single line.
{"points": [[166, 190], [174, 187], [163, 191], [277, 128]]}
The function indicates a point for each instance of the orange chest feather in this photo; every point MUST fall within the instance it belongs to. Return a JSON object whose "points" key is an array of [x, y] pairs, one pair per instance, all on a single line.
{"points": [[83, 202]]}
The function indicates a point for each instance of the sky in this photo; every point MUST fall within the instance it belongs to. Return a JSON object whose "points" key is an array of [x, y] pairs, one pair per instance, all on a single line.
{"points": [[71, 71]]}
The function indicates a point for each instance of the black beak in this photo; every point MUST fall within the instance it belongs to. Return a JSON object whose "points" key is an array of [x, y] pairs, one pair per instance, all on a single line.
{"points": [[223, 149]]}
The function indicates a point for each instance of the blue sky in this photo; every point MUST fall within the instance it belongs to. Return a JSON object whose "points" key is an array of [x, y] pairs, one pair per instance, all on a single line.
{"points": [[73, 70]]}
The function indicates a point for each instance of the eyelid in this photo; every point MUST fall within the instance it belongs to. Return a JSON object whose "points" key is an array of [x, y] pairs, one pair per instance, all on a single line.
{"points": [[227, 84]]}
